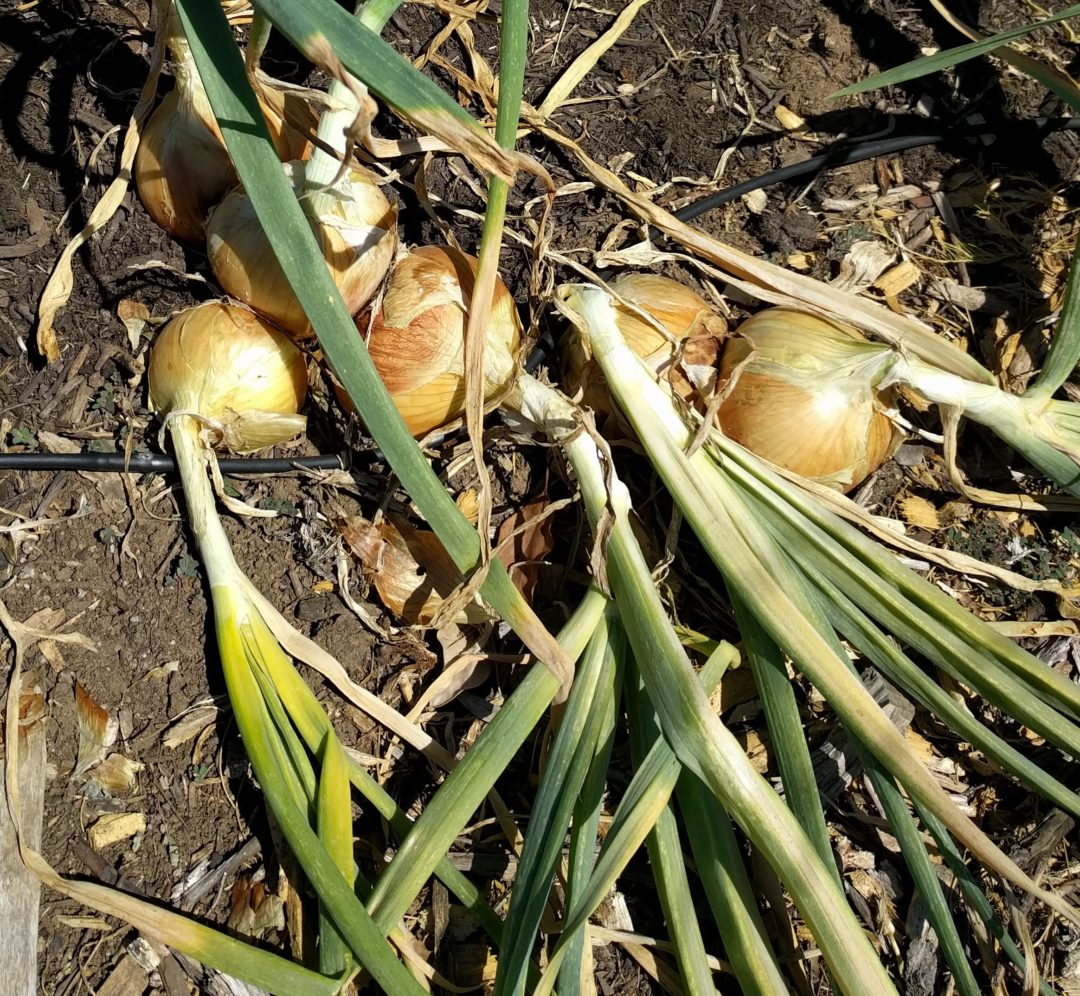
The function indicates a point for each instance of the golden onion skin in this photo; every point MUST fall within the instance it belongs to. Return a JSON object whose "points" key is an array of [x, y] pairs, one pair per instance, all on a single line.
{"points": [[793, 400], [357, 232], [681, 311], [221, 361], [417, 338], [181, 168]]}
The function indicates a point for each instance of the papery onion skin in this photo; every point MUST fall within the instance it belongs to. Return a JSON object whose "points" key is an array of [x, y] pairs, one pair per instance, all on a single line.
{"points": [[181, 168], [225, 363], [357, 232], [417, 338], [290, 119], [800, 395], [683, 312]]}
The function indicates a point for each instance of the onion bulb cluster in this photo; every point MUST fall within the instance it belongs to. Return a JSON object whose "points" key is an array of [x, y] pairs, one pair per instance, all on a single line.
{"points": [[799, 391], [354, 223], [803, 392], [416, 338], [242, 378], [182, 168]]}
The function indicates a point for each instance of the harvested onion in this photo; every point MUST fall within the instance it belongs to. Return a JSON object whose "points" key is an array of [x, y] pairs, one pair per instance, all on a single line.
{"points": [[242, 378], [181, 167], [804, 393], [417, 337], [681, 312], [353, 221]]}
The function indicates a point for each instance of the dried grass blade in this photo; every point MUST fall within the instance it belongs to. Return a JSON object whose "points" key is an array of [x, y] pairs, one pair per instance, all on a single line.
{"points": [[584, 63]]}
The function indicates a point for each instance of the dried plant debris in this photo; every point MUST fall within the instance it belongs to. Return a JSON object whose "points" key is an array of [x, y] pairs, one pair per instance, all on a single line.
{"points": [[98, 730]]}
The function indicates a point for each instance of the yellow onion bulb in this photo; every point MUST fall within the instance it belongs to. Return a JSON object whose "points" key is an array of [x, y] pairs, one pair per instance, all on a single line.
{"points": [[680, 311], [800, 392], [182, 168], [244, 378], [356, 228], [417, 337]]}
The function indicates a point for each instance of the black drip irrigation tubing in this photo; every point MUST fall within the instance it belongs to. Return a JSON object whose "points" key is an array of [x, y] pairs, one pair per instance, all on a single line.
{"points": [[160, 463]]}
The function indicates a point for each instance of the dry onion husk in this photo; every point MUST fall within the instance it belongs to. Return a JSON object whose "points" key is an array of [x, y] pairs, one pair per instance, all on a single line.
{"points": [[409, 568]]}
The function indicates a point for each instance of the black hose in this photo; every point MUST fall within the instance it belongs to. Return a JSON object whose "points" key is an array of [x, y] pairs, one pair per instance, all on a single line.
{"points": [[160, 463]]}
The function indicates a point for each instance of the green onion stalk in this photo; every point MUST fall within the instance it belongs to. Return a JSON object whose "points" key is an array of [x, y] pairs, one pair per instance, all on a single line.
{"points": [[220, 374], [761, 571], [704, 745]]}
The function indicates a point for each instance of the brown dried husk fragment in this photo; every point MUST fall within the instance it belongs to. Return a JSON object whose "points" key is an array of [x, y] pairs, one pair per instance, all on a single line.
{"points": [[409, 568]]}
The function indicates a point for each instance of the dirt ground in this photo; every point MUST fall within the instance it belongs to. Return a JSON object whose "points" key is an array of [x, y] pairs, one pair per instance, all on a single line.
{"points": [[688, 97]]}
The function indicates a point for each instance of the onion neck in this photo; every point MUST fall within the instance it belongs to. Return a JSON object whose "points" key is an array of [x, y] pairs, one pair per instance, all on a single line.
{"points": [[556, 417], [189, 87], [214, 548], [342, 106]]}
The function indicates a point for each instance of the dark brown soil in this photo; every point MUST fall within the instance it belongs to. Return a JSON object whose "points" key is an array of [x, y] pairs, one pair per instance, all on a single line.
{"points": [[688, 94]]}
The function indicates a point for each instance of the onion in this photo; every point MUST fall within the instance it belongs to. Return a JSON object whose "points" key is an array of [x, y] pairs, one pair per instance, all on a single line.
{"points": [[804, 393], [353, 221], [417, 337], [242, 378], [181, 167], [681, 312]]}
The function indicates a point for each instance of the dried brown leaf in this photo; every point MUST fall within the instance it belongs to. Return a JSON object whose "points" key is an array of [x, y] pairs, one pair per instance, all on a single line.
{"points": [[523, 543], [189, 725], [115, 776], [97, 730], [409, 568]]}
